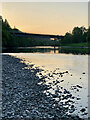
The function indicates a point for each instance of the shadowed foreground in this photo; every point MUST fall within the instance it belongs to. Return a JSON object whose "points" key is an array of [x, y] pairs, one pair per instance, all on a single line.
{"points": [[22, 96]]}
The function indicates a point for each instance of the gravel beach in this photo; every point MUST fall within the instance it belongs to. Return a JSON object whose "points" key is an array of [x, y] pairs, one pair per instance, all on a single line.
{"points": [[24, 99]]}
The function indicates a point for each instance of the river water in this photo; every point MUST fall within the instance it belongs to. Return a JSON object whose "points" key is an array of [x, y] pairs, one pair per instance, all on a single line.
{"points": [[75, 80]]}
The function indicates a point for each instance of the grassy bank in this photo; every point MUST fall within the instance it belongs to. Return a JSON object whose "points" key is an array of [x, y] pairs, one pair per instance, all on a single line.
{"points": [[77, 44]]}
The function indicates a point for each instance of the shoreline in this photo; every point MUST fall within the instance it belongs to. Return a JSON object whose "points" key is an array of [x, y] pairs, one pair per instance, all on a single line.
{"points": [[24, 98]]}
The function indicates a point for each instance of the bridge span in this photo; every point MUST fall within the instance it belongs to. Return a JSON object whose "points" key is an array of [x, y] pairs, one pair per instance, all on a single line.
{"points": [[38, 36]]}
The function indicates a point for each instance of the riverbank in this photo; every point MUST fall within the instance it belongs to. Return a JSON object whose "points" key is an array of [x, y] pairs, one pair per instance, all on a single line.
{"points": [[24, 98], [49, 49], [77, 45]]}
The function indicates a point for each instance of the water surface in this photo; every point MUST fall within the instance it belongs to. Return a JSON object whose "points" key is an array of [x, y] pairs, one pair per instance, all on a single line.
{"points": [[48, 49], [77, 67]]}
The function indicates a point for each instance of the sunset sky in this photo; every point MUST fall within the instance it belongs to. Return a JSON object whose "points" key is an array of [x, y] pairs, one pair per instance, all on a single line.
{"points": [[46, 18]]}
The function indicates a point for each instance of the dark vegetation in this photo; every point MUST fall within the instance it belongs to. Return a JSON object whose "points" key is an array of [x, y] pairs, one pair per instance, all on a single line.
{"points": [[80, 36], [10, 40]]}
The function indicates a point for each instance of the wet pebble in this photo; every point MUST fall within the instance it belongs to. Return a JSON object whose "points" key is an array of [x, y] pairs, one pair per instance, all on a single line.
{"points": [[83, 110], [61, 80]]}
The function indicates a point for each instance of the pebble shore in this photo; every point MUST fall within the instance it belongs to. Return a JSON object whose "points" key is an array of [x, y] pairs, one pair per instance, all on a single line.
{"points": [[24, 99]]}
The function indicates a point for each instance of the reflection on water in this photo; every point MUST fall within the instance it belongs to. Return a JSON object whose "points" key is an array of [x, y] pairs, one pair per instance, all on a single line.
{"points": [[47, 49], [76, 65]]}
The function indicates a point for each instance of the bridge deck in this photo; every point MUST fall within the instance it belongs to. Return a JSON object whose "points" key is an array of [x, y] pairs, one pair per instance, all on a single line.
{"points": [[41, 35]]}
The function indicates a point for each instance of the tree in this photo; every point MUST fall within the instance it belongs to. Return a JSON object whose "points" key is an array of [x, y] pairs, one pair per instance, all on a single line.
{"points": [[7, 39], [84, 33], [77, 35], [7, 24], [88, 35], [67, 38]]}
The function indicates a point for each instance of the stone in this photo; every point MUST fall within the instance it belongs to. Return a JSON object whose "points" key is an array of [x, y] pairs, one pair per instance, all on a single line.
{"points": [[83, 110]]}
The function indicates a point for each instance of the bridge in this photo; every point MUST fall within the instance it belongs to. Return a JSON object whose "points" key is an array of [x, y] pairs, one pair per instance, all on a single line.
{"points": [[37, 36]]}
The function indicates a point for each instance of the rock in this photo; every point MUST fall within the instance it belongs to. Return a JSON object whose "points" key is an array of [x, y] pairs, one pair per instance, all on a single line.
{"points": [[85, 114], [66, 71], [72, 106], [61, 75], [61, 80], [57, 82], [72, 110], [40, 73], [56, 91], [78, 98], [54, 95], [83, 110], [27, 111], [53, 81], [73, 97], [78, 90], [79, 86]]}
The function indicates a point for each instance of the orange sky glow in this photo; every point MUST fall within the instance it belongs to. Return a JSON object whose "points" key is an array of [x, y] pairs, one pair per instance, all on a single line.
{"points": [[46, 18]]}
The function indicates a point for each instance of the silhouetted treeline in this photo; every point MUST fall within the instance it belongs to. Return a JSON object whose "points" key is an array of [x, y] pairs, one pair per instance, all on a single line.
{"points": [[78, 35], [8, 40], [11, 40]]}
